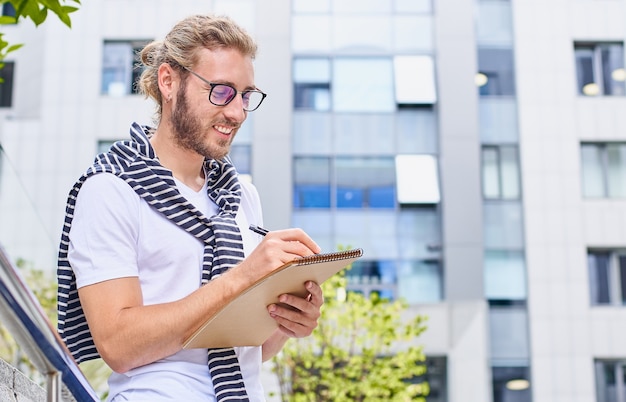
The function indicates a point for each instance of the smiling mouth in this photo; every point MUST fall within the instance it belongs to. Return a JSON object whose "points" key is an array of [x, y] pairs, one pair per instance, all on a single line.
{"points": [[224, 130]]}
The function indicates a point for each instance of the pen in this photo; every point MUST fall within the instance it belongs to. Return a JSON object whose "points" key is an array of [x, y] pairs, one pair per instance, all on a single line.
{"points": [[259, 230]]}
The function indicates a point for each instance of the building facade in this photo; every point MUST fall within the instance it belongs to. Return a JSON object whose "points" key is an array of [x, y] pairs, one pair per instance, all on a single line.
{"points": [[476, 151]]}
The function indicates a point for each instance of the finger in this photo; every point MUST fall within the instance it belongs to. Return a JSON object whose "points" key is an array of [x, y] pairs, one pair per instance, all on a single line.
{"points": [[296, 235], [315, 294], [293, 323]]}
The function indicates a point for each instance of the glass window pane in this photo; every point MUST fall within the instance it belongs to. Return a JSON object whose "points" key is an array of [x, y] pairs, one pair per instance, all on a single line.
{"points": [[355, 32], [120, 69], [373, 230], [419, 233], [241, 155], [360, 134], [117, 65], [494, 23], [311, 183], [377, 276], [318, 224], [416, 131], [8, 9], [312, 97], [593, 181], [503, 225], [414, 80], [420, 281], [497, 66], [301, 38], [413, 33], [613, 69], [509, 171], [599, 287], [505, 275], [606, 384], [491, 175], [417, 179], [104, 145], [311, 83], [511, 384], [622, 277], [311, 70], [616, 170], [508, 330], [585, 75], [365, 183], [312, 133], [362, 85], [311, 6], [498, 120], [6, 86], [413, 6], [363, 6]]}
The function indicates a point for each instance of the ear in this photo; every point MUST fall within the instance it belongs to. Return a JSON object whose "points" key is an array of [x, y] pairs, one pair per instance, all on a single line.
{"points": [[168, 79]]}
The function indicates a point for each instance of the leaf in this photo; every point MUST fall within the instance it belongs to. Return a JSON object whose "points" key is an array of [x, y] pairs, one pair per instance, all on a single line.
{"points": [[7, 20]]}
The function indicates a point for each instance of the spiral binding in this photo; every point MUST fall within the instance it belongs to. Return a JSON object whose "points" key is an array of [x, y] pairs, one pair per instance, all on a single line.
{"points": [[327, 257]]}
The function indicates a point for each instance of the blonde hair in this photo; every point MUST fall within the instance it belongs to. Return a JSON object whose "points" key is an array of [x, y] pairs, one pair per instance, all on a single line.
{"points": [[180, 46]]}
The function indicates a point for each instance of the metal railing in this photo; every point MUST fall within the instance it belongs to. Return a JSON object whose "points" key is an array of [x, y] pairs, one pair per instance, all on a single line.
{"points": [[23, 316]]}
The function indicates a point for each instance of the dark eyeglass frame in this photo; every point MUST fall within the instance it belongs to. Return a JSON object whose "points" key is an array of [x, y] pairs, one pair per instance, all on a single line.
{"points": [[235, 92]]}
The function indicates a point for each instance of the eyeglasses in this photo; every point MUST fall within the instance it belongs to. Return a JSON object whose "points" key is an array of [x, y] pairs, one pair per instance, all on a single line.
{"points": [[223, 94]]}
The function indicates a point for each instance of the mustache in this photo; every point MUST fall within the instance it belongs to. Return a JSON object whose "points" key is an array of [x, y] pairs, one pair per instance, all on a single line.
{"points": [[227, 123]]}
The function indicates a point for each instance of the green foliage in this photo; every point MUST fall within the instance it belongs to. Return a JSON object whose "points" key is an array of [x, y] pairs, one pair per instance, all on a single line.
{"points": [[37, 12], [362, 350]]}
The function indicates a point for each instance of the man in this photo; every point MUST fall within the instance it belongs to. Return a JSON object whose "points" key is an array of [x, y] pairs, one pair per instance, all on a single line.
{"points": [[163, 213]]}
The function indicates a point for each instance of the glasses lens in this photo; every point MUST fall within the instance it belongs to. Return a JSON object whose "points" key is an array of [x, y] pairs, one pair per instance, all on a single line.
{"points": [[252, 100], [221, 94]]}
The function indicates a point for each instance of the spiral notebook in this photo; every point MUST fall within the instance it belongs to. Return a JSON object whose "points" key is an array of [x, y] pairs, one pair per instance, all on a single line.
{"points": [[246, 322]]}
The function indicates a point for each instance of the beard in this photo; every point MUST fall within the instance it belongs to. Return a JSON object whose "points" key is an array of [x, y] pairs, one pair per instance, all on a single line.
{"points": [[190, 133]]}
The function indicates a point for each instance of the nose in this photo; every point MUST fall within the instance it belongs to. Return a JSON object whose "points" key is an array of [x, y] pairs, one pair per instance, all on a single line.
{"points": [[234, 109]]}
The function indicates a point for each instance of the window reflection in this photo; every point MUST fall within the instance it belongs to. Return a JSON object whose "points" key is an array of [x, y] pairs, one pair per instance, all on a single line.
{"points": [[600, 68], [603, 170], [120, 70], [495, 67], [362, 85]]}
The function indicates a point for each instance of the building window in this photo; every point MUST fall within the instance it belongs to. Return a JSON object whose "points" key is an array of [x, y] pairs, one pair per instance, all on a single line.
{"points": [[6, 84], [437, 379], [495, 75], [600, 68], [120, 70], [511, 384], [241, 157], [607, 277], [311, 77], [363, 84], [311, 182], [104, 145], [508, 331], [505, 275], [415, 281], [603, 170], [500, 171], [367, 277], [8, 10], [610, 380], [344, 182]]}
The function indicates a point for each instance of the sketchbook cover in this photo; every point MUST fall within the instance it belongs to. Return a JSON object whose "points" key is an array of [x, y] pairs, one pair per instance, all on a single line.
{"points": [[246, 322]]}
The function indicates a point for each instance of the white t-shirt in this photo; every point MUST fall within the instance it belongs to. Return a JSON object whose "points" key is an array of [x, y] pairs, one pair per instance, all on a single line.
{"points": [[133, 239]]}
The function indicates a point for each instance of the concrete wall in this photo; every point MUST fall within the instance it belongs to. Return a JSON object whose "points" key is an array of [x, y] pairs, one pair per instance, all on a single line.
{"points": [[15, 386]]}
